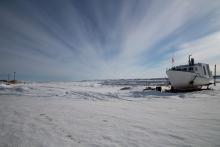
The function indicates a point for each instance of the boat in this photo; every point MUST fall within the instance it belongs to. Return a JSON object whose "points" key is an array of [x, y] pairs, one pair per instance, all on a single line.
{"points": [[190, 76]]}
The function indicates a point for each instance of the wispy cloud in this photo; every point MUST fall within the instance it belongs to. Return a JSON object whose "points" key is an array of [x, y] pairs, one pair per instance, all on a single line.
{"points": [[71, 40]]}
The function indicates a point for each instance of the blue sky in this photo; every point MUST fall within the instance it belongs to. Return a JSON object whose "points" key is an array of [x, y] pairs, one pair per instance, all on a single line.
{"points": [[105, 39]]}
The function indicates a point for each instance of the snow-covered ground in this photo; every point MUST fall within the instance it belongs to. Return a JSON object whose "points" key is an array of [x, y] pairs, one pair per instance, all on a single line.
{"points": [[98, 113]]}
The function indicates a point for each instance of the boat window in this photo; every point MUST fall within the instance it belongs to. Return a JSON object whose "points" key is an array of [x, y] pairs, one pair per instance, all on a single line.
{"points": [[190, 68], [196, 68], [207, 67], [204, 70], [184, 69]]}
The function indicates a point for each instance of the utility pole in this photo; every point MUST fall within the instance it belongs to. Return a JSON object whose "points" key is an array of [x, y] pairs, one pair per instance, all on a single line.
{"points": [[215, 76], [14, 75], [8, 77]]}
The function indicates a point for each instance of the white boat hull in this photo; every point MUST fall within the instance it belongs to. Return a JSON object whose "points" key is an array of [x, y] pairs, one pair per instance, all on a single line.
{"points": [[186, 80]]}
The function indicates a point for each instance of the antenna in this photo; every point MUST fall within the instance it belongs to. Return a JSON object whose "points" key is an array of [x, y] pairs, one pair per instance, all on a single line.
{"points": [[172, 61], [173, 57]]}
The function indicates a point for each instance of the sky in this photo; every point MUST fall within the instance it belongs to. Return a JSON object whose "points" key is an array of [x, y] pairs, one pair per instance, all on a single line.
{"points": [[66, 40]]}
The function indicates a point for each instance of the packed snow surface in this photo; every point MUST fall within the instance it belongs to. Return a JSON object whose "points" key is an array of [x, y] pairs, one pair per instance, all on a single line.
{"points": [[99, 113]]}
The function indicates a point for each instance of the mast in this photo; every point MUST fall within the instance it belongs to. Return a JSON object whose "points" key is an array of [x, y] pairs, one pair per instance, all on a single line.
{"points": [[189, 59]]}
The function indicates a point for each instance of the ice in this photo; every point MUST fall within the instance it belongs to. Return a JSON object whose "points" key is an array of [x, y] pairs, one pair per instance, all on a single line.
{"points": [[98, 113]]}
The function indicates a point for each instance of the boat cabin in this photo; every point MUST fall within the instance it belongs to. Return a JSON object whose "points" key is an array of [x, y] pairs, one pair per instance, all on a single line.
{"points": [[200, 68]]}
